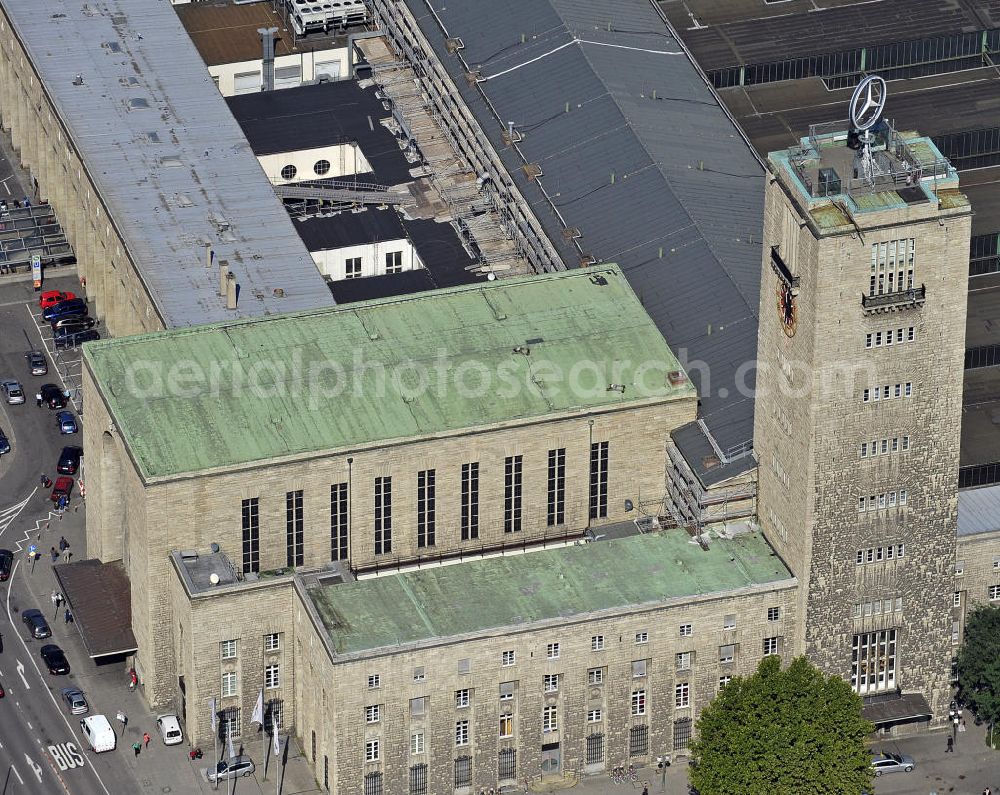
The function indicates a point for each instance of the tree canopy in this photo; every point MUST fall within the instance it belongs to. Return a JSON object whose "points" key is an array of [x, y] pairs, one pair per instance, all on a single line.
{"points": [[979, 663], [789, 731]]}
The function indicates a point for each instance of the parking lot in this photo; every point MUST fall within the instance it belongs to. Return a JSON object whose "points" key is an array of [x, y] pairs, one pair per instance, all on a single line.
{"points": [[66, 362]]}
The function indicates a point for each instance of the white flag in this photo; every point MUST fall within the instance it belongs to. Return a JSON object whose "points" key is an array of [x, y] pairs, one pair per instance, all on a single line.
{"points": [[211, 706], [277, 742], [258, 710], [229, 731]]}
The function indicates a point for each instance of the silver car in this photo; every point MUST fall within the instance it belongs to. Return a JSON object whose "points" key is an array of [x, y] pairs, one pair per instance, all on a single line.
{"points": [[892, 763], [74, 700], [13, 392], [231, 768]]}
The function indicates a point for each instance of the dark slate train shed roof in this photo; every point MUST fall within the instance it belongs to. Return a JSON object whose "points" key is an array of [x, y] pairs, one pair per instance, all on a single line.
{"points": [[667, 187]]}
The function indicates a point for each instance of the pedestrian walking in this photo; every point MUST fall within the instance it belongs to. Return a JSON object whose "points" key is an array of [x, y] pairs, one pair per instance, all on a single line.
{"points": [[146, 738], [136, 747], [65, 555], [987, 791], [951, 746], [54, 596], [69, 616], [63, 543], [60, 599], [122, 719], [55, 557], [38, 402], [961, 725]]}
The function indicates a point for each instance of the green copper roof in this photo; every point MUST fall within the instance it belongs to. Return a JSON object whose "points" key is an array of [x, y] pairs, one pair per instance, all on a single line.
{"points": [[498, 593], [226, 394]]}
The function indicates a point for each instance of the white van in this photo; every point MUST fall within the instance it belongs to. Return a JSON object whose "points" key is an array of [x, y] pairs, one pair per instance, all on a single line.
{"points": [[98, 732]]}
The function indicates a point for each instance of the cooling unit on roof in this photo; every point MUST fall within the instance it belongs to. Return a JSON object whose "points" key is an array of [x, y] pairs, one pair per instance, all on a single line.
{"points": [[310, 16]]}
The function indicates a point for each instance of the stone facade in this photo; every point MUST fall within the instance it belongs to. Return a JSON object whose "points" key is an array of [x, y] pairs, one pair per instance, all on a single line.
{"points": [[326, 695], [107, 274], [141, 523], [977, 578], [816, 424]]}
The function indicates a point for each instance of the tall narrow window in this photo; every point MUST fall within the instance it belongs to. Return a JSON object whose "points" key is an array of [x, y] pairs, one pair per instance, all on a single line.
{"points": [[251, 535], [598, 480], [294, 551], [512, 494], [383, 515], [338, 521], [425, 508], [470, 501], [557, 486]]}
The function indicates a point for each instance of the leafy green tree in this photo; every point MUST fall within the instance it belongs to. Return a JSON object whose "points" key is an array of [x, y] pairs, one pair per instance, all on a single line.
{"points": [[979, 664], [789, 731]]}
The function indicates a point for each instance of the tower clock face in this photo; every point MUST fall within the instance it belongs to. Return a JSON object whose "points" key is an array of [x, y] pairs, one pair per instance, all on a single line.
{"points": [[787, 310]]}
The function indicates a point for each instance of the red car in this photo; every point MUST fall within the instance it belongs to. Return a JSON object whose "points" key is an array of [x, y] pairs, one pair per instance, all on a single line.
{"points": [[63, 487], [53, 297]]}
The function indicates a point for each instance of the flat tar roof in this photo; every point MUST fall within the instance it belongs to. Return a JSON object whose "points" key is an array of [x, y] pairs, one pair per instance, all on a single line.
{"points": [[505, 594], [169, 162], [236, 393], [979, 510]]}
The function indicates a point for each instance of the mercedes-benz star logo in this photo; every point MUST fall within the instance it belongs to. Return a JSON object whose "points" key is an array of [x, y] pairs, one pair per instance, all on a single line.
{"points": [[868, 102]]}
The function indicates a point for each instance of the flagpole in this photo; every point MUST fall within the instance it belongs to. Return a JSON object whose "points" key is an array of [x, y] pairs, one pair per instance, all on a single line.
{"points": [[215, 744]]}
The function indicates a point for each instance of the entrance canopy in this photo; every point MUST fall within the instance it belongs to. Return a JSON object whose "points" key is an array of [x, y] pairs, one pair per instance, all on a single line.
{"points": [[100, 596], [904, 708]]}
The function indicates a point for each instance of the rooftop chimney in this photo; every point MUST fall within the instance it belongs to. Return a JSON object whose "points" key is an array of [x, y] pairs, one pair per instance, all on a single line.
{"points": [[230, 291], [267, 40], [209, 255], [223, 275]]}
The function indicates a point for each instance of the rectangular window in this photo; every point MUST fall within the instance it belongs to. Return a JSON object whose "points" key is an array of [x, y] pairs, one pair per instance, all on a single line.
{"points": [[595, 748], [638, 741], [682, 695], [908, 389], [462, 698], [598, 480], [727, 653], [374, 681], [352, 268], [643, 637], [773, 613], [230, 720], [507, 764], [686, 630], [463, 772], [383, 515], [418, 706], [393, 261], [873, 667], [464, 665], [418, 674], [251, 535], [418, 780], [906, 443], [552, 651], [897, 391], [272, 641], [272, 676], [729, 622], [902, 496], [506, 726], [864, 449], [638, 702], [373, 783], [866, 395], [550, 722], [596, 642], [994, 593], [910, 336], [724, 680], [512, 494], [556, 513], [461, 732], [638, 669], [508, 658], [770, 646], [227, 650], [594, 716], [507, 691], [338, 521], [371, 750], [228, 684], [868, 340], [470, 501], [294, 547], [888, 337], [878, 339], [682, 661], [551, 683], [373, 713], [595, 676], [425, 508]]}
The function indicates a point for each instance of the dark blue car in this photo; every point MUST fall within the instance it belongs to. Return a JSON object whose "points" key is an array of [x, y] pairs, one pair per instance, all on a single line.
{"points": [[75, 307]]}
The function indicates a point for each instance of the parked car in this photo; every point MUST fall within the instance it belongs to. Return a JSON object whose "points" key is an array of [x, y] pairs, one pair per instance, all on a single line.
{"points": [[892, 763], [52, 396], [4, 443], [74, 307], [62, 488], [37, 363], [6, 564], [73, 323], [12, 392], [54, 659], [170, 729], [66, 422], [231, 768], [37, 626], [72, 338], [100, 736], [75, 702], [69, 460], [53, 297]]}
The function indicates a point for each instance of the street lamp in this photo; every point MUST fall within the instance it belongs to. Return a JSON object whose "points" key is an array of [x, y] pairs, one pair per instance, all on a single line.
{"points": [[955, 716]]}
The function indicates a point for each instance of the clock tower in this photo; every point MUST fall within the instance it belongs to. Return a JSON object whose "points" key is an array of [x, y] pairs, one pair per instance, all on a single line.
{"points": [[859, 398]]}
